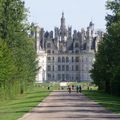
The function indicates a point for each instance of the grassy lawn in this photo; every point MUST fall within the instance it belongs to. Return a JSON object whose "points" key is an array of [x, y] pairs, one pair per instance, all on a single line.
{"points": [[108, 101], [13, 109]]}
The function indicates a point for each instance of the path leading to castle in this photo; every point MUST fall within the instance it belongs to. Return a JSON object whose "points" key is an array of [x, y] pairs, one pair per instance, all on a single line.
{"points": [[64, 106]]}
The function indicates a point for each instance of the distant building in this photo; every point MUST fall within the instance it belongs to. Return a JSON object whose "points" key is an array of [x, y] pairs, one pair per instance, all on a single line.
{"points": [[65, 55]]}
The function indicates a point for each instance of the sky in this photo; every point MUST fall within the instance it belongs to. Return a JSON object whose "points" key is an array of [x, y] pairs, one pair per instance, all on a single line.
{"points": [[78, 13]]}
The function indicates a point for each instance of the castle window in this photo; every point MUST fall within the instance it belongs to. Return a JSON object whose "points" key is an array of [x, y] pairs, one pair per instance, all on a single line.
{"points": [[49, 51], [67, 67], [59, 59], [77, 78], [49, 59], [59, 68], [63, 77], [53, 67], [49, 76], [76, 45], [48, 45], [53, 59], [67, 76], [49, 68], [72, 59], [67, 59], [53, 76], [63, 59], [77, 59], [76, 51], [59, 76], [77, 68], [63, 67], [72, 68]]}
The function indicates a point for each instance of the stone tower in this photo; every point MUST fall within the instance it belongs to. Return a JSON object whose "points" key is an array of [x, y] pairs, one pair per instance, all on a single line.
{"points": [[63, 30]]}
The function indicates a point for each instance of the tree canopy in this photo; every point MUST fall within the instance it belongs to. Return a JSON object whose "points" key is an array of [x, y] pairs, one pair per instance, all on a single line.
{"points": [[17, 52], [106, 69]]}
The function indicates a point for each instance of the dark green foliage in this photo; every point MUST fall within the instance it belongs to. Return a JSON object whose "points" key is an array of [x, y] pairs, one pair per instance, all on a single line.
{"points": [[17, 53], [106, 69]]}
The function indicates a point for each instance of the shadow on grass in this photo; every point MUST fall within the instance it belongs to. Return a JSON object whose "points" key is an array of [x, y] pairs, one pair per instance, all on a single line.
{"points": [[106, 100], [44, 91], [27, 102]]}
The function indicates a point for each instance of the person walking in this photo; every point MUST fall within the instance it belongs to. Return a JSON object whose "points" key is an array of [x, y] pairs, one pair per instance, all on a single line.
{"points": [[77, 88], [80, 89], [69, 88]]}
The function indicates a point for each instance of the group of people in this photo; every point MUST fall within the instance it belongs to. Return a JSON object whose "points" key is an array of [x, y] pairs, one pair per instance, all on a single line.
{"points": [[78, 88]]}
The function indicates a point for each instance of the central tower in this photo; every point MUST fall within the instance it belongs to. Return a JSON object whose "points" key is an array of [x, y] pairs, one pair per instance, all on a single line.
{"points": [[63, 22], [63, 30]]}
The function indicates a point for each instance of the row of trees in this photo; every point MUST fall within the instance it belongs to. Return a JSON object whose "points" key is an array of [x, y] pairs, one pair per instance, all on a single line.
{"points": [[106, 69], [17, 52]]}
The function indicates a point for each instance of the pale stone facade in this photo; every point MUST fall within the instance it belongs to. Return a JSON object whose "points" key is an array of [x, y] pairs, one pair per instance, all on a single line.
{"points": [[64, 55]]}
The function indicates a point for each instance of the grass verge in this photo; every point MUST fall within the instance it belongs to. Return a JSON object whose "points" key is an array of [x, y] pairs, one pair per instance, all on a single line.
{"points": [[108, 101], [14, 109]]}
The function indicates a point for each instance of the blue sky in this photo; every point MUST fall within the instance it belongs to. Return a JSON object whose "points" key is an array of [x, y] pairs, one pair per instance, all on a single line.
{"points": [[78, 13]]}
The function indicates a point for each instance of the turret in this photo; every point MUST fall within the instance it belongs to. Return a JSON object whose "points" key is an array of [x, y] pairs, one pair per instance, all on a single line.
{"points": [[89, 36], [42, 32], [91, 27], [69, 32], [37, 38]]}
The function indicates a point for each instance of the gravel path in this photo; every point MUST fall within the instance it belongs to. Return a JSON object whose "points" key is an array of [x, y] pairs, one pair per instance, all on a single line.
{"points": [[61, 105]]}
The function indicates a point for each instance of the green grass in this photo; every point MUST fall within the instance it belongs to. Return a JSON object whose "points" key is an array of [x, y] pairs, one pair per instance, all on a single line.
{"points": [[13, 109], [108, 101]]}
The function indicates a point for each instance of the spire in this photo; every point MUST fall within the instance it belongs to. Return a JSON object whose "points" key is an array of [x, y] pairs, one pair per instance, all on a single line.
{"points": [[63, 21], [63, 30], [91, 26], [62, 14]]}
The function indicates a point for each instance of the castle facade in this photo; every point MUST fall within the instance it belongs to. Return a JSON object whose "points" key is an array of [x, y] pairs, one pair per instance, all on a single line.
{"points": [[65, 55]]}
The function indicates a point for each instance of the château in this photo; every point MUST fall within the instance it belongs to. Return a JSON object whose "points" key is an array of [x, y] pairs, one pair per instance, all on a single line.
{"points": [[65, 55]]}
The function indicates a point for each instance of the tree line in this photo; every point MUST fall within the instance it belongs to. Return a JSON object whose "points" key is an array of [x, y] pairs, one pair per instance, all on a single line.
{"points": [[18, 65], [106, 69]]}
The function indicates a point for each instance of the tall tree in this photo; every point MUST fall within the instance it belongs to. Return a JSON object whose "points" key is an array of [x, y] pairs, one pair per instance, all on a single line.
{"points": [[14, 32], [108, 56]]}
